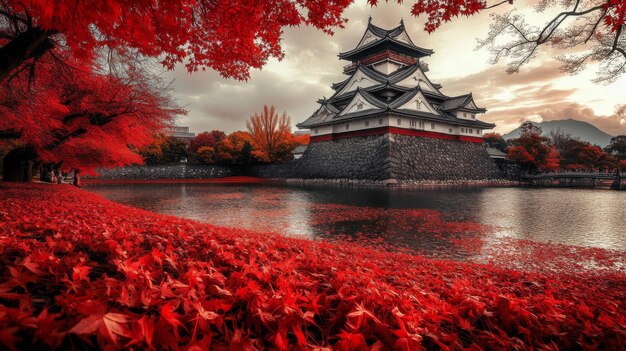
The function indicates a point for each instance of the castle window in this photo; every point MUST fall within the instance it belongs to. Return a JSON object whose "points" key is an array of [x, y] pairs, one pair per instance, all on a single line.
{"points": [[473, 116], [462, 130], [347, 126], [422, 125], [479, 132], [380, 121], [450, 130], [316, 130], [432, 126], [399, 121], [367, 123], [359, 106], [413, 123], [464, 114]]}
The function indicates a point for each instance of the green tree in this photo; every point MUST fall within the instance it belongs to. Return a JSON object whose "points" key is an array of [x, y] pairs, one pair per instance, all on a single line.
{"points": [[495, 141], [617, 147]]}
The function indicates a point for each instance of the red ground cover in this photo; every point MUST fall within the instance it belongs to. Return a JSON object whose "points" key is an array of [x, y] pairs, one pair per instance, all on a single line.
{"points": [[78, 271]]}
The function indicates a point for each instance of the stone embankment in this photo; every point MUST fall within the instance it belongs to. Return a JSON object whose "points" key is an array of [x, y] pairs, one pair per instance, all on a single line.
{"points": [[167, 171], [382, 160]]}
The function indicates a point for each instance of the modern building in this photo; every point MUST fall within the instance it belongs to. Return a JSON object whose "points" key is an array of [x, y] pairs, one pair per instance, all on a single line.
{"points": [[388, 122], [182, 134]]}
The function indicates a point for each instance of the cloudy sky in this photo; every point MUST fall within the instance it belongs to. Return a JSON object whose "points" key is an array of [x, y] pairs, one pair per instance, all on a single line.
{"points": [[539, 92]]}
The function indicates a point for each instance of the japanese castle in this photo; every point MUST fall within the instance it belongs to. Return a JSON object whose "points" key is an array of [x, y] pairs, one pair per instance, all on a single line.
{"points": [[387, 91]]}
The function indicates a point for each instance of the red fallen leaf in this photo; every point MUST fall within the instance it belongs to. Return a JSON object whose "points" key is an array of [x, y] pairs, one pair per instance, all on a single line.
{"points": [[265, 317], [172, 317], [81, 272], [280, 341], [88, 325], [31, 266], [116, 326], [359, 316], [146, 328], [214, 289], [8, 338], [351, 342]]}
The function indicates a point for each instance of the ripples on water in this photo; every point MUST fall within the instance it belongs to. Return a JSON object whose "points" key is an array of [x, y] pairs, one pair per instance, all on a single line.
{"points": [[595, 218]]}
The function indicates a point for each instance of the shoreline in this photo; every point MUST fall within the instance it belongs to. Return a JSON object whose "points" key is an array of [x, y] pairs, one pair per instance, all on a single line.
{"points": [[392, 183]]}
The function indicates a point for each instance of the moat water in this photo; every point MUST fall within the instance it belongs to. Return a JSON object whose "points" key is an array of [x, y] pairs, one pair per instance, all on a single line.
{"points": [[418, 218]]}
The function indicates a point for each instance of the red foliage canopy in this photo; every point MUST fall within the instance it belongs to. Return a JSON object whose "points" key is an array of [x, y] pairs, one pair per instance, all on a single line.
{"points": [[84, 119], [207, 139], [228, 36]]}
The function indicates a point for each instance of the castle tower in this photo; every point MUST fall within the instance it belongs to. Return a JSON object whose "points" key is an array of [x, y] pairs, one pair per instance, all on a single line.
{"points": [[388, 97]]}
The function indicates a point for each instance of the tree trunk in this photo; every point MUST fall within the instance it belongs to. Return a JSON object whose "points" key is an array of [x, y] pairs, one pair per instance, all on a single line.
{"points": [[30, 44], [17, 165]]}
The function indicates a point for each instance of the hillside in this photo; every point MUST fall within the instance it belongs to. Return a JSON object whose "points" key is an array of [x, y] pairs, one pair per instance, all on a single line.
{"points": [[578, 129]]}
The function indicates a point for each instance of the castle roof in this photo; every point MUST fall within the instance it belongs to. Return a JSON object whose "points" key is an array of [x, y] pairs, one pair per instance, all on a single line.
{"points": [[377, 80], [373, 105], [463, 102], [375, 38]]}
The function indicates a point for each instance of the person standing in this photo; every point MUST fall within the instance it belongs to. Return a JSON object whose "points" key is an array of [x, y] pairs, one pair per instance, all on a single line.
{"points": [[76, 181], [59, 176]]}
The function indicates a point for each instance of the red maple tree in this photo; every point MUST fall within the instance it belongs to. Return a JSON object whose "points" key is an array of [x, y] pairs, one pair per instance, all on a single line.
{"points": [[80, 119], [532, 150]]}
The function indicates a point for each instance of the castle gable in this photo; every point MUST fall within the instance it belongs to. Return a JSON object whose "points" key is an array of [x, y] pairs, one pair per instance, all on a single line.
{"points": [[368, 37], [360, 79], [416, 78], [414, 101], [404, 37], [362, 101]]}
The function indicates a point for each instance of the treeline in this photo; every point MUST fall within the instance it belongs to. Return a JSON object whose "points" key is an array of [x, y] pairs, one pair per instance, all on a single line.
{"points": [[268, 139], [559, 151]]}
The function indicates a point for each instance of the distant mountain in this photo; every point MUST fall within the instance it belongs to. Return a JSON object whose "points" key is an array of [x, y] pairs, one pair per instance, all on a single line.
{"points": [[578, 129]]}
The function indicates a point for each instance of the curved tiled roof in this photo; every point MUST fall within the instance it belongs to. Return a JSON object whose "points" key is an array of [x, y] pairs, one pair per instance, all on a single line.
{"points": [[375, 75], [458, 102], [385, 80], [387, 36], [373, 88]]}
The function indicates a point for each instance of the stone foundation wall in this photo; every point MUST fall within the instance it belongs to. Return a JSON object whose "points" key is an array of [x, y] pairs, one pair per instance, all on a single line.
{"points": [[168, 171], [417, 158], [389, 159], [354, 158]]}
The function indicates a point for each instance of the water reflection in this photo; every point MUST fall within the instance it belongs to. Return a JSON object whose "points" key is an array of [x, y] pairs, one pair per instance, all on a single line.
{"points": [[571, 216]]}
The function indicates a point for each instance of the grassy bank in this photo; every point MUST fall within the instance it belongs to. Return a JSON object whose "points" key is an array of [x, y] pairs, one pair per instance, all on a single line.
{"points": [[78, 271]]}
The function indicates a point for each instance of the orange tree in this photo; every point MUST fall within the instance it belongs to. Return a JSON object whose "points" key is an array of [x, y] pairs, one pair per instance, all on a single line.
{"points": [[271, 135], [237, 148]]}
